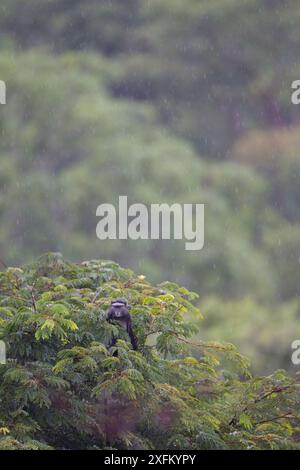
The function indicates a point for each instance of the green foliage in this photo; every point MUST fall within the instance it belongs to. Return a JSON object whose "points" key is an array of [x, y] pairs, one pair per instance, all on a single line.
{"points": [[192, 59], [283, 244], [275, 154], [263, 333], [127, 94], [164, 101], [74, 119], [64, 388]]}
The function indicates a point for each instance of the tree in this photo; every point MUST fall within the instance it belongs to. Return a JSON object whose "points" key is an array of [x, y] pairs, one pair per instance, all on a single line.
{"points": [[67, 146], [63, 388], [264, 333], [209, 67]]}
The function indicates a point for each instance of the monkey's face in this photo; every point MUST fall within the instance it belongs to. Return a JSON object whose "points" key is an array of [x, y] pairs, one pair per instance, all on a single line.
{"points": [[119, 310], [118, 313]]}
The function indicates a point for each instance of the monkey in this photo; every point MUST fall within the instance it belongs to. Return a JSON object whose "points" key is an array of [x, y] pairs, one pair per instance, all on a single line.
{"points": [[119, 311]]}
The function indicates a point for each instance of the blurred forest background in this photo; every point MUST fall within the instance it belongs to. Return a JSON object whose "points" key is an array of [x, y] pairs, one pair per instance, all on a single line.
{"points": [[163, 101]]}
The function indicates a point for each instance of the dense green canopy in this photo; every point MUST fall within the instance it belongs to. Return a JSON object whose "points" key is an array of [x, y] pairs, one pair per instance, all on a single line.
{"points": [[164, 101], [64, 388]]}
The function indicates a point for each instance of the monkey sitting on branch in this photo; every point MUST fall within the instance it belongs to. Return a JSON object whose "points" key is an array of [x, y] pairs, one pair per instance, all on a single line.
{"points": [[119, 311]]}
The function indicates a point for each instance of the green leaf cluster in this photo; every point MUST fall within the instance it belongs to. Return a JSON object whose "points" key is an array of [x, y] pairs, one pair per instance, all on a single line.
{"points": [[63, 387]]}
